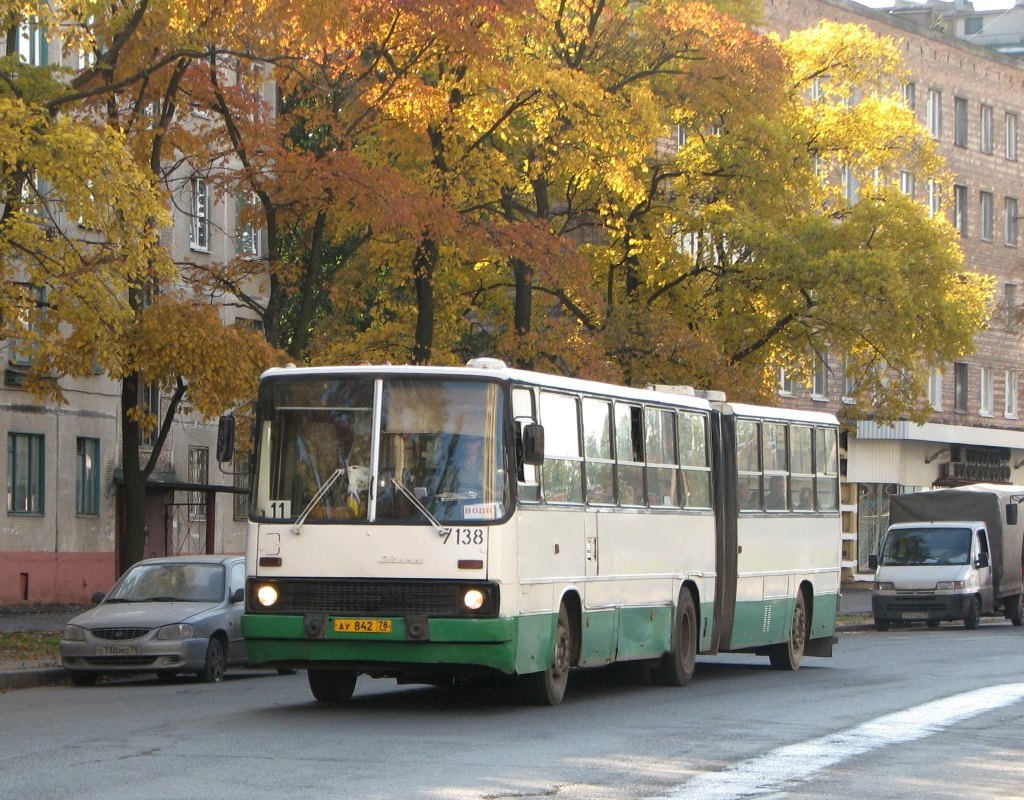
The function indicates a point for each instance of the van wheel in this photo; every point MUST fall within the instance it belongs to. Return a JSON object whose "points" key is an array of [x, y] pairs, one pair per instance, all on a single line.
{"points": [[973, 618], [676, 667], [789, 654], [1015, 610], [547, 688]]}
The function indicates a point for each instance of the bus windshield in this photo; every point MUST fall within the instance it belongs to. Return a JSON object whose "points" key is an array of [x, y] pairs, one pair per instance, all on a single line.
{"points": [[915, 547], [439, 448]]}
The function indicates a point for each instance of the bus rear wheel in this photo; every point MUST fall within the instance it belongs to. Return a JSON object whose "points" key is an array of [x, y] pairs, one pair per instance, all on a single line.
{"points": [[677, 666], [788, 655], [547, 688], [331, 685]]}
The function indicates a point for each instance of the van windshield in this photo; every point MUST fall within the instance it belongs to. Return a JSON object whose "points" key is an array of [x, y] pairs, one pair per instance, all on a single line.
{"points": [[926, 546]]}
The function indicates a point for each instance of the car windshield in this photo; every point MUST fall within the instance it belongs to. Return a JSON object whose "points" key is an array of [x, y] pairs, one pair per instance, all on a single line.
{"points": [[926, 546], [192, 582]]}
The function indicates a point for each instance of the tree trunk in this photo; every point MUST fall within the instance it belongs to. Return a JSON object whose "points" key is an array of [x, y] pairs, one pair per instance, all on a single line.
{"points": [[424, 264], [134, 486]]}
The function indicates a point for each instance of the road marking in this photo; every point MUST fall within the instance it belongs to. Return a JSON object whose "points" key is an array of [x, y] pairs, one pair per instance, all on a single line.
{"points": [[768, 773]]}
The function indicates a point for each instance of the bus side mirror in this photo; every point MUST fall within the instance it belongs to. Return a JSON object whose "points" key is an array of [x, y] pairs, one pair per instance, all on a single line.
{"points": [[873, 561], [533, 444], [1011, 513], [225, 438]]}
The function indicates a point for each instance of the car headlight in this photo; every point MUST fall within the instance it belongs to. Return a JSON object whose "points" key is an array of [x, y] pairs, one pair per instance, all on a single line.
{"points": [[179, 630], [884, 586], [949, 585], [72, 633]]}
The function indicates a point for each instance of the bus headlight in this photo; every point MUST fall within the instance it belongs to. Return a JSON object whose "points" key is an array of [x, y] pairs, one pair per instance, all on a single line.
{"points": [[267, 595], [474, 599]]}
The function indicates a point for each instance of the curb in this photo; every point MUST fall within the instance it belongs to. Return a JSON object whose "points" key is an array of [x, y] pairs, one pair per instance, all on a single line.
{"points": [[27, 678]]}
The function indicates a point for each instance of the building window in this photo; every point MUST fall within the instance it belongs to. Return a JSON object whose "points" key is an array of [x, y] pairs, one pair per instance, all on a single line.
{"points": [[935, 389], [29, 320], [248, 235], [1012, 220], [198, 472], [973, 26], [986, 129], [1011, 136], [985, 404], [910, 95], [149, 399], [934, 198], [33, 47], [87, 485], [785, 382], [907, 183], [987, 216], [25, 473], [1012, 388], [199, 221], [960, 387], [960, 121], [1010, 306], [960, 208], [851, 186], [935, 113], [819, 389]]}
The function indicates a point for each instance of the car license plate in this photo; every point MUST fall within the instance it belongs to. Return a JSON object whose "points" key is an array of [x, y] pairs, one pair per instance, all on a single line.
{"points": [[118, 650], [914, 615], [362, 626]]}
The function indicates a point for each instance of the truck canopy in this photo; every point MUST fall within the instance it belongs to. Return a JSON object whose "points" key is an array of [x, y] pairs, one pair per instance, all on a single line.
{"points": [[966, 504]]}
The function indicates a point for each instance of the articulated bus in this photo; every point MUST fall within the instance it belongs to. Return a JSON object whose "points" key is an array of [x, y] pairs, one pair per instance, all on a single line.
{"points": [[444, 524]]}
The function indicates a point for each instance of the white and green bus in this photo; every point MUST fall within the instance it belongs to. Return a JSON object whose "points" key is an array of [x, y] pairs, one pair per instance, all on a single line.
{"points": [[440, 524]]}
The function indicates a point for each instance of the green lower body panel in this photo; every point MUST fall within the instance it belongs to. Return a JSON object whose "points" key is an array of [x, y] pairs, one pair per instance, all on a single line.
{"points": [[762, 622], [491, 643]]}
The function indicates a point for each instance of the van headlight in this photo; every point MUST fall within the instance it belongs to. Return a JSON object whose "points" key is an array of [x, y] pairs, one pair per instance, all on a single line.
{"points": [[949, 585], [884, 586]]}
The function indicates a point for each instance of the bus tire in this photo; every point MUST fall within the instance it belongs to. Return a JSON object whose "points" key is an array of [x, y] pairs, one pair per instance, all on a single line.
{"points": [[331, 685], [973, 618], [787, 655], [547, 687], [677, 666]]}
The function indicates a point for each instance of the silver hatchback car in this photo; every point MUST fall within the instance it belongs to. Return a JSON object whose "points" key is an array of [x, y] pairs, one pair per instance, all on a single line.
{"points": [[180, 614]]}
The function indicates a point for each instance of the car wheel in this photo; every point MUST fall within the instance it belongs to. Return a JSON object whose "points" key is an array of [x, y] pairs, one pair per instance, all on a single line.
{"points": [[216, 661], [881, 624], [84, 678], [932, 623]]}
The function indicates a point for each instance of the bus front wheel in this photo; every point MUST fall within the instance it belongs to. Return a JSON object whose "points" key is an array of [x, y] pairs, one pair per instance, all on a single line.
{"points": [[677, 666], [331, 685], [547, 688], [788, 655]]}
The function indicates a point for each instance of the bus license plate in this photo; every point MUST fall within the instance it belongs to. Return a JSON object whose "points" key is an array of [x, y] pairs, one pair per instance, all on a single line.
{"points": [[362, 626]]}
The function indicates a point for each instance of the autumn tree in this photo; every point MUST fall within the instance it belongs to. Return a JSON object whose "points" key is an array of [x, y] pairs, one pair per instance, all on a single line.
{"points": [[89, 284]]}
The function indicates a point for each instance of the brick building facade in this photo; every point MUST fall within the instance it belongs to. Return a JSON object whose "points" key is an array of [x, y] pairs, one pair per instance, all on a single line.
{"points": [[972, 99]]}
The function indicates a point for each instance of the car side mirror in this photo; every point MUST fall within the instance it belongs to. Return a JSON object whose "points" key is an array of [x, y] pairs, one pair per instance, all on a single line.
{"points": [[981, 561], [873, 561], [238, 596], [533, 444], [97, 598]]}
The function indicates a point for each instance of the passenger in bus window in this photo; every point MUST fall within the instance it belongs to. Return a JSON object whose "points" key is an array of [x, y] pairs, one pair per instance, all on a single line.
{"points": [[775, 497]]}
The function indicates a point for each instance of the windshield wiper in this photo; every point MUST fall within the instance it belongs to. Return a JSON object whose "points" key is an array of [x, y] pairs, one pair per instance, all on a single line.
{"points": [[161, 599], [316, 499], [412, 498]]}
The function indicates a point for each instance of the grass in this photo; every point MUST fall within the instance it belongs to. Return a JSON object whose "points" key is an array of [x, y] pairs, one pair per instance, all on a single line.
{"points": [[30, 646]]}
